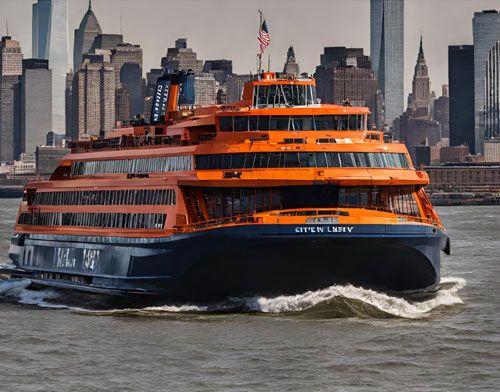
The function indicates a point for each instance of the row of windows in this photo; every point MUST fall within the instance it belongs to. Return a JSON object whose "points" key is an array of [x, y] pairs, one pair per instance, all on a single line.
{"points": [[283, 95], [135, 165], [114, 197], [94, 219], [230, 202], [301, 159], [291, 123]]}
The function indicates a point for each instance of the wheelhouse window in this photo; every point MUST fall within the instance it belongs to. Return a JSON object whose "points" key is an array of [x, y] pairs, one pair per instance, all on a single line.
{"points": [[283, 95], [301, 159], [354, 122]]}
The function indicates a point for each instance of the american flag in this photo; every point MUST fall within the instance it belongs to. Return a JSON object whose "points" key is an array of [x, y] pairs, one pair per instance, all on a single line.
{"points": [[264, 37]]}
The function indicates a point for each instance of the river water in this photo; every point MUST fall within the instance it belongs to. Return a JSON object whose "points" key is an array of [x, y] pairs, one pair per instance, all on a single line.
{"points": [[338, 339]]}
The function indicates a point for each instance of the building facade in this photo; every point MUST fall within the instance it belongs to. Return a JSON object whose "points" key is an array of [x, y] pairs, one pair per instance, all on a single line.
{"points": [[492, 150], [221, 69], [205, 88], [441, 114], [36, 109], [387, 53], [93, 99], [492, 93], [182, 58], [485, 32], [234, 86], [345, 73], [47, 159], [131, 80], [10, 71], [461, 91], [291, 67]]}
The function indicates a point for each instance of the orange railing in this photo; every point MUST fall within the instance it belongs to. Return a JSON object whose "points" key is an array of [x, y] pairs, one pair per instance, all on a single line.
{"points": [[260, 218]]}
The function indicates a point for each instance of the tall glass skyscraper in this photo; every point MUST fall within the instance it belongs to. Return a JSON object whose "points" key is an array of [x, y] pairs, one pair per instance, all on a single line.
{"points": [[50, 42], [387, 53], [461, 85], [485, 32]]}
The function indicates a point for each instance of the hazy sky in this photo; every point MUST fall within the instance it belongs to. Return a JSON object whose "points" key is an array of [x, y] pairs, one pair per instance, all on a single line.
{"points": [[228, 28]]}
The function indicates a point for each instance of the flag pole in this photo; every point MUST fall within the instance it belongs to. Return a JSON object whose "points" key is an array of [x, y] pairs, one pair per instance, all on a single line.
{"points": [[260, 54]]}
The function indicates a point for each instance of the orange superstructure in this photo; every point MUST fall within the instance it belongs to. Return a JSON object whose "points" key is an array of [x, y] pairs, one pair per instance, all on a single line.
{"points": [[277, 160]]}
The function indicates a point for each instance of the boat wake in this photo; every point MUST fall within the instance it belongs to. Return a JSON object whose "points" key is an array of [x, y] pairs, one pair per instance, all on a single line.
{"points": [[332, 302], [17, 291]]}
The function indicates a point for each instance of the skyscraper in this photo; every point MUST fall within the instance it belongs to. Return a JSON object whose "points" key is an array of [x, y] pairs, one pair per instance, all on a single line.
{"points": [[492, 99], [181, 57], [220, 68], [93, 99], [50, 42], [40, 28], [421, 92], [461, 90], [345, 73], [291, 66], [485, 32], [36, 110], [131, 81], [84, 36], [10, 70], [387, 53]]}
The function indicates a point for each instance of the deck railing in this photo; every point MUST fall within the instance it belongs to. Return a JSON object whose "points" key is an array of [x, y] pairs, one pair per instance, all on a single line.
{"points": [[262, 217]]}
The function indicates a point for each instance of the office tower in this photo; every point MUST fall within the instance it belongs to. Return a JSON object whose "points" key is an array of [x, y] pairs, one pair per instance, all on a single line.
{"points": [[10, 70], [291, 67], [122, 105], [492, 93], [345, 73], [131, 80], [485, 32], [182, 58], [93, 98], [151, 79], [47, 159], [125, 54], [461, 91], [421, 94], [106, 41], [205, 87], [40, 23], [387, 53], [84, 36], [36, 109], [441, 114], [221, 69], [234, 86], [68, 94], [50, 42]]}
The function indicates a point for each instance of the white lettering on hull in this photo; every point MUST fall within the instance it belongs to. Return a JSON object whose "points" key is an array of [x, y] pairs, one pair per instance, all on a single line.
{"points": [[323, 229]]}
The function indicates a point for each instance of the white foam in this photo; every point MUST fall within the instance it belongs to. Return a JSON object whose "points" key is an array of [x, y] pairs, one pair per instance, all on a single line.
{"points": [[395, 306], [18, 290]]}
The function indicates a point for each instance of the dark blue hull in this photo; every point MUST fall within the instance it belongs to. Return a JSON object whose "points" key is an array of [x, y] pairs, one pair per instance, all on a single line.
{"points": [[244, 260]]}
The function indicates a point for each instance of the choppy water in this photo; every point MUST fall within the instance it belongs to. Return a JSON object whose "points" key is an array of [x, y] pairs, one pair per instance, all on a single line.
{"points": [[338, 339]]}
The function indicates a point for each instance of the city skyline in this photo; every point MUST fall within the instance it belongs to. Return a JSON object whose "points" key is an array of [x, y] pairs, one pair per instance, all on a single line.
{"points": [[434, 19]]}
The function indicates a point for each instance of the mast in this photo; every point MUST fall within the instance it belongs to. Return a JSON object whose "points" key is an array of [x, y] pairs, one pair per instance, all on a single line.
{"points": [[259, 56]]}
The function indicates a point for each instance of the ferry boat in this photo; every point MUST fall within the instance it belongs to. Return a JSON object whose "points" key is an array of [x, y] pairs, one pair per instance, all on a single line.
{"points": [[274, 194]]}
